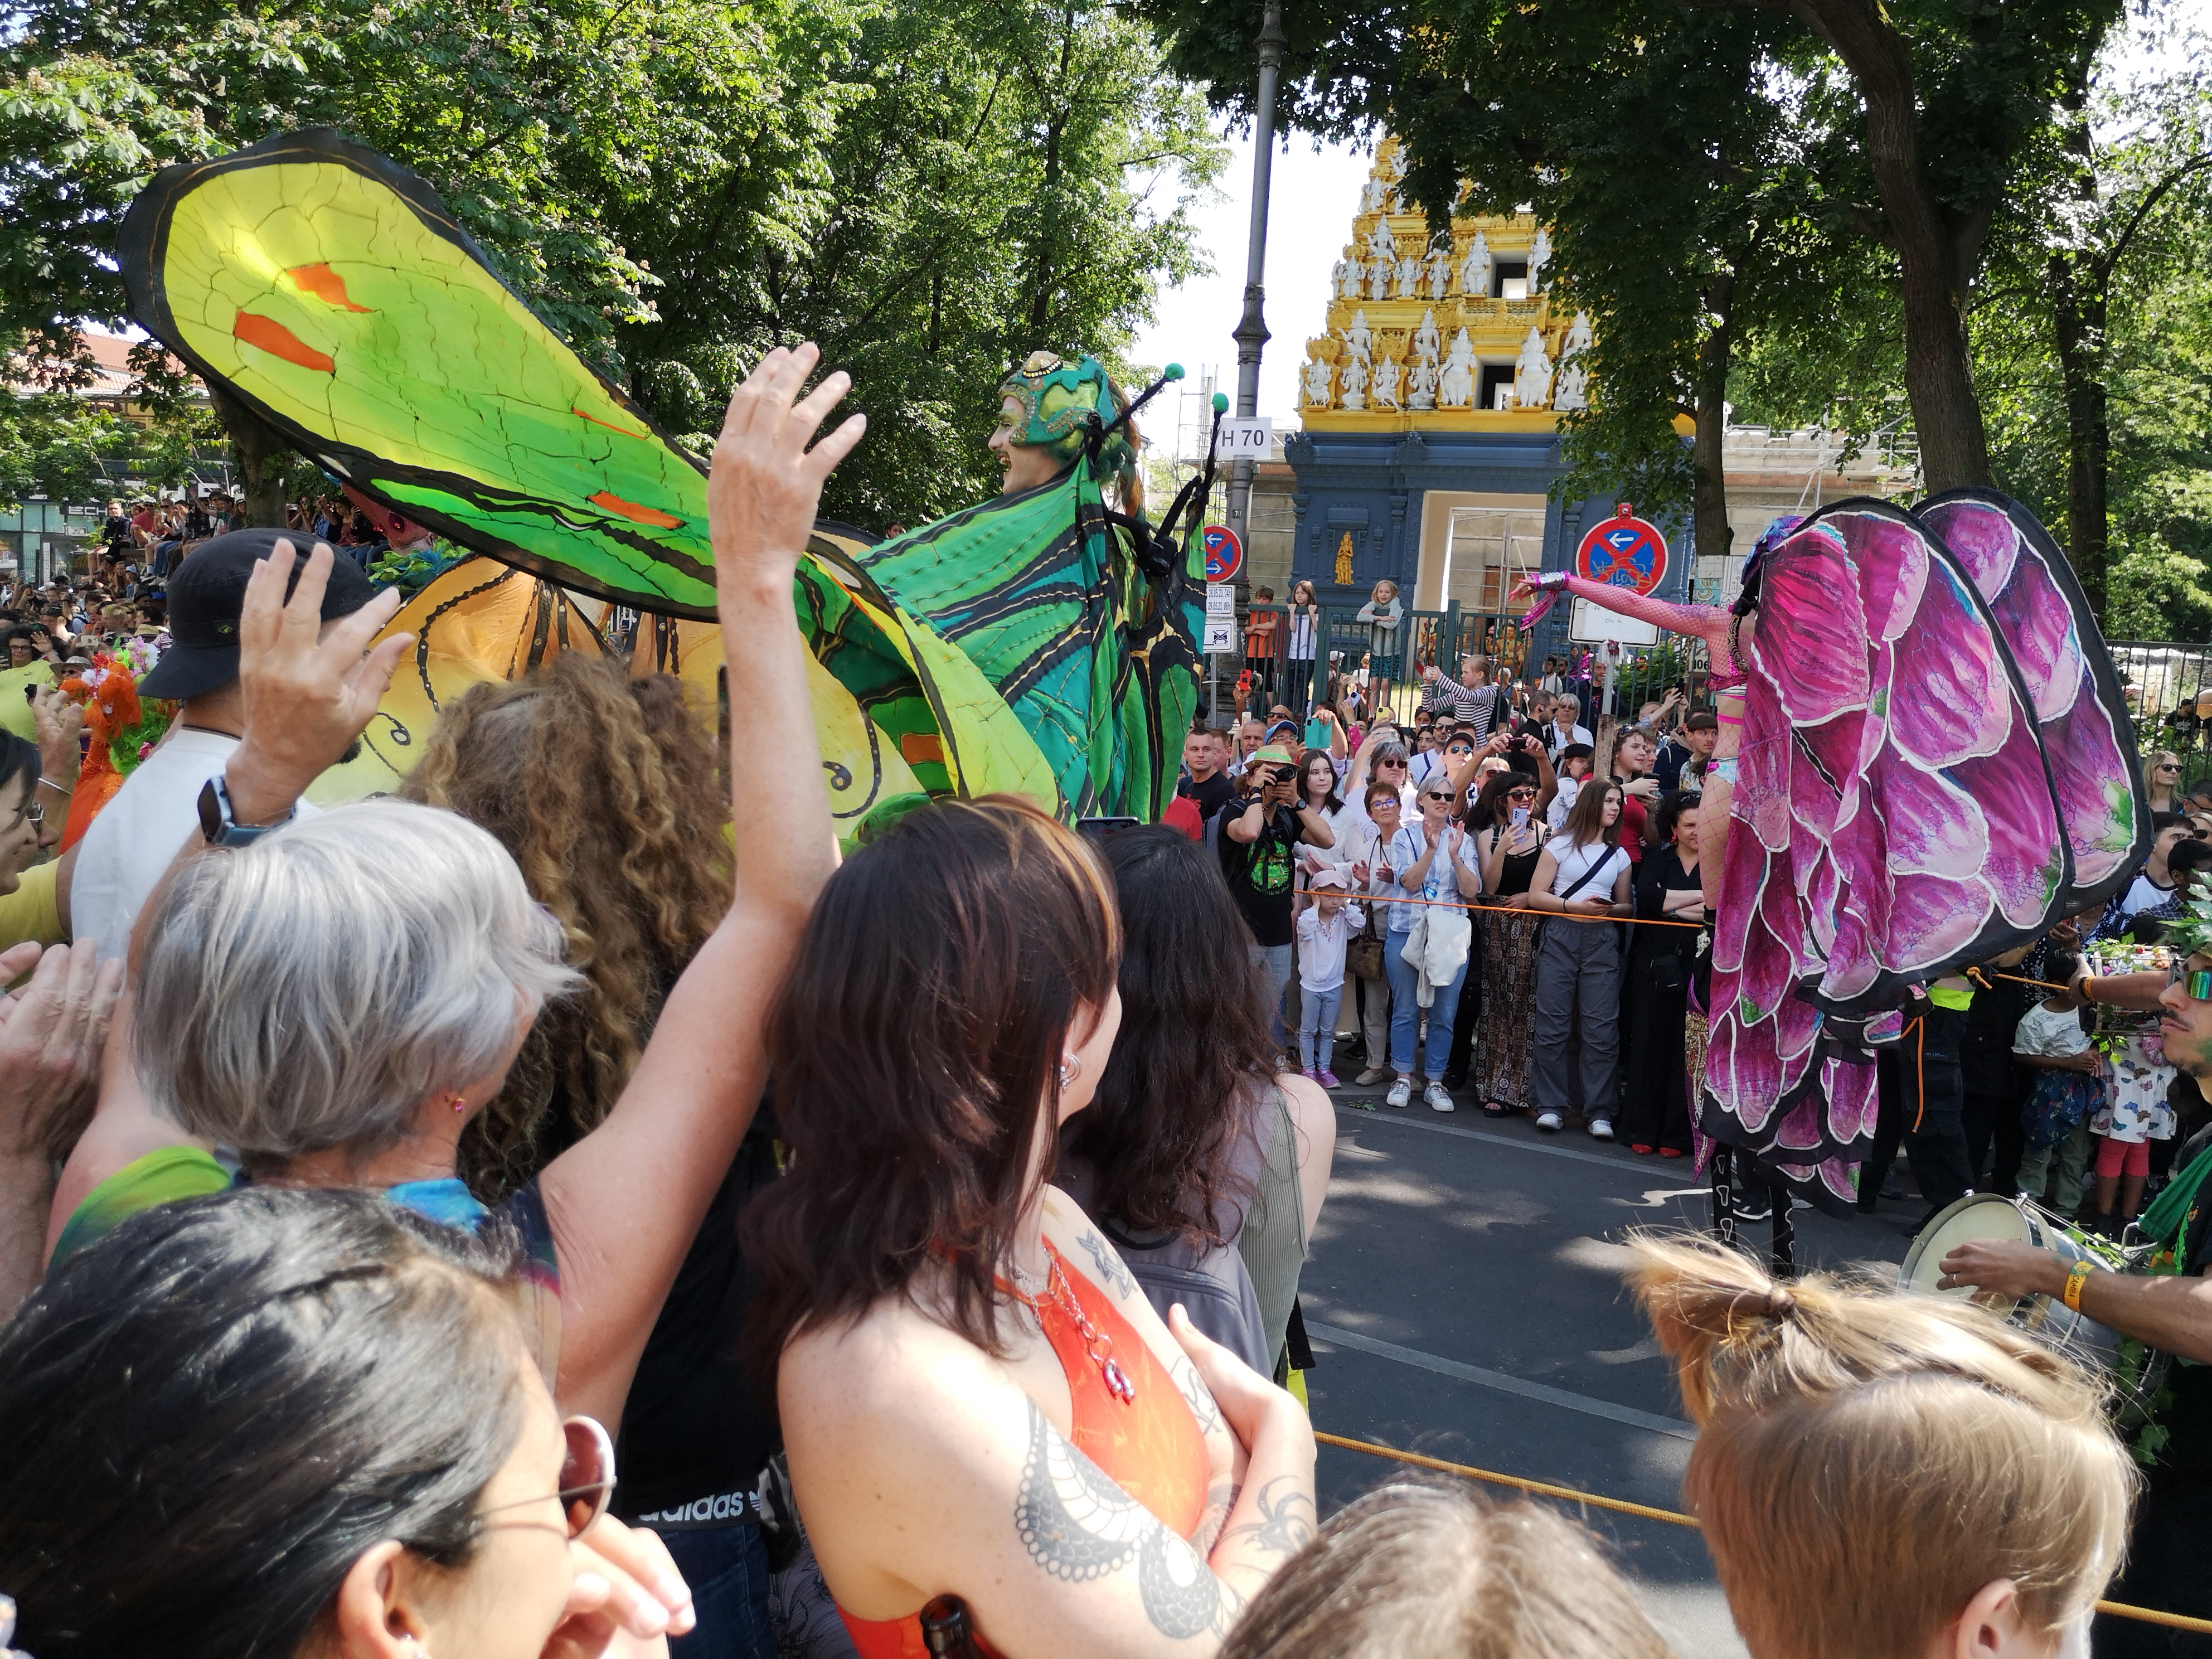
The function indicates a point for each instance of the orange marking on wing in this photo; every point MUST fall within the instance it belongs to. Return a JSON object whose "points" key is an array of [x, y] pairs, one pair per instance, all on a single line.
{"points": [[920, 747], [610, 425], [325, 285], [652, 515], [279, 340]]}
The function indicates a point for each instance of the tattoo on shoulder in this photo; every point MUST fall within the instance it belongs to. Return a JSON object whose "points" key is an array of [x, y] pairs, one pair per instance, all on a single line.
{"points": [[1108, 1261], [1287, 1520], [1080, 1527]]}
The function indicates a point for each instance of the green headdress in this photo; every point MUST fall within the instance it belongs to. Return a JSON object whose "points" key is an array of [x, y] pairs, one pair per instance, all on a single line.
{"points": [[1064, 404]]}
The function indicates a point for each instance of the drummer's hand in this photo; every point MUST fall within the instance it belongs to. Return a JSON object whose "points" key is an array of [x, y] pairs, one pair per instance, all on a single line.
{"points": [[2004, 1267]]}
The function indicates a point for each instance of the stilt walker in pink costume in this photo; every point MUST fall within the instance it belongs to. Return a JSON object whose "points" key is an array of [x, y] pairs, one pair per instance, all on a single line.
{"points": [[1924, 761]]}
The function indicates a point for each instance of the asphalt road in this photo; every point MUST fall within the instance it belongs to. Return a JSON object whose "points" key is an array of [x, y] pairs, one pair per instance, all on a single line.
{"points": [[1464, 1301]]}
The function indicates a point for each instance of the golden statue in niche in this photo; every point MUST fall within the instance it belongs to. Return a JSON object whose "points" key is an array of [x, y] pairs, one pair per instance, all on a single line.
{"points": [[1343, 561]]}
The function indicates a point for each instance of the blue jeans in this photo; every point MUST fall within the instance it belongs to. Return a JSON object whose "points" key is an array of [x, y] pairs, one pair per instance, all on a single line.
{"points": [[1317, 1012], [726, 1568], [1406, 1011], [1273, 962]]}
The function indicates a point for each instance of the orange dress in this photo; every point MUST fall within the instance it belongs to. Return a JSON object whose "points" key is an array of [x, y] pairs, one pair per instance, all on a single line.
{"points": [[1149, 1445]]}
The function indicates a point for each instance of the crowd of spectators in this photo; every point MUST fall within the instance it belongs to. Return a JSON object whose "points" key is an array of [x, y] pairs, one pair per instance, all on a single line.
{"points": [[376, 1182]]}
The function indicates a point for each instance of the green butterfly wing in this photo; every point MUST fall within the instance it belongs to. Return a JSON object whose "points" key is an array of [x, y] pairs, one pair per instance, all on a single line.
{"points": [[330, 291]]}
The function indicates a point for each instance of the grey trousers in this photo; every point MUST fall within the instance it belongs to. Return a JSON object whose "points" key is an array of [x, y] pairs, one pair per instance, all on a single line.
{"points": [[1578, 969]]}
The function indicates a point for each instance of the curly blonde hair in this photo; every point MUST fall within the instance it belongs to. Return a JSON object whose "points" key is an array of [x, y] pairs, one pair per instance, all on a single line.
{"points": [[607, 792]]}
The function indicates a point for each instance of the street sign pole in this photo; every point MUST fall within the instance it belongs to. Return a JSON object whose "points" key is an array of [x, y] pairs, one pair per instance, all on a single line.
{"points": [[1251, 332]]}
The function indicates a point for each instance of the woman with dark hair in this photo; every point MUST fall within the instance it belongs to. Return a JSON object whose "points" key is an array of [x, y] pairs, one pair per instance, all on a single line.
{"points": [[1580, 876], [1299, 644], [305, 1424], [1195, 1143], [1655, 1097], [1508, 843], [952, 1340]]}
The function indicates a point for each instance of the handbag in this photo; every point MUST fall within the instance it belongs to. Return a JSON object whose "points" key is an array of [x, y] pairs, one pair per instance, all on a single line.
{"points": [[1363, 956]]}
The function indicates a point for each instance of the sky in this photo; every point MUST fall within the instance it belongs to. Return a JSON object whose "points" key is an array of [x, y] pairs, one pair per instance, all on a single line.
{"points": [[1313, 198]]}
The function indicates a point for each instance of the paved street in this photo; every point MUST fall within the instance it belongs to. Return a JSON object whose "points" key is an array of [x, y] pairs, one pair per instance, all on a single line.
{"points": [[1464, 1301]]}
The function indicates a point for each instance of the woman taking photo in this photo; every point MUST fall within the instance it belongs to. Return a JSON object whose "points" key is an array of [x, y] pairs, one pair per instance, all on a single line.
{"points": [[1654, 1097], [1435, 863], [1196, 1149], [1581, 872], [1508, 843], [953, 1341]]}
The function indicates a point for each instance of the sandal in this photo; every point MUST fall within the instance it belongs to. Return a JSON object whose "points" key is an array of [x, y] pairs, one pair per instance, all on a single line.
{"points": [[1494, 1109], [1639, 1149]]}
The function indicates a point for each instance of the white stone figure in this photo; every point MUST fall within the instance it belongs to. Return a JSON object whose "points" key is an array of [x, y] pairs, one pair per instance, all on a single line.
{"points": [[1409, 277], [1455, 385], [1350, 275], [1398, 162], [1427, 342], [1439, 271], [1532, 373], [1379, 272], [1371, 196], [1540, 255], [1397, 201], [1385, 384], [1336, 276], [1422, 383], [1571, 389], [1357, 340], [1355, 384], [1475, 270], [1381, 245], [1317, 383]]}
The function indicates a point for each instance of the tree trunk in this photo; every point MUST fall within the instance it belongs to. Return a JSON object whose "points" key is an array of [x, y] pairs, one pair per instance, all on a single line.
{"points": [[258, 449], [1709, 490], [2077, 315], [1946, 415]]}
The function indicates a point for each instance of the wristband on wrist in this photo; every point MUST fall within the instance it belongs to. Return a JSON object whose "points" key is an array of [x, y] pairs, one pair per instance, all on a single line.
{"points": [[2076, 1276], [59, 788]]}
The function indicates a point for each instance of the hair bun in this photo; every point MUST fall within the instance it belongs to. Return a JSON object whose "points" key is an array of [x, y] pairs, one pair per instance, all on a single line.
{"points": [[1781, 1302]]}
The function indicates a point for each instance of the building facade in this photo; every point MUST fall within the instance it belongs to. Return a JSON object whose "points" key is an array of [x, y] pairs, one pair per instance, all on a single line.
{"points": [[1430, 403]]}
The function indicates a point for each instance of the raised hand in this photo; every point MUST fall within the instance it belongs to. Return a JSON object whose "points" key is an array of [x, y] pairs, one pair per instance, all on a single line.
{"points": [[51, 1032], [765, 484], [307, 693], [57, 721]]}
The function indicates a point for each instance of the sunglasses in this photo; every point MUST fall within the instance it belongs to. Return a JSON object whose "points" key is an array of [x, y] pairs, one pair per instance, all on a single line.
{"points": [[587, 1476], [2195, 983], [1520, 794], [1436, 794]]}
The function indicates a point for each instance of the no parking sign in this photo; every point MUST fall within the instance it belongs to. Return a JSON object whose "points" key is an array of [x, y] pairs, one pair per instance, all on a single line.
{"points": [[1622, 551], [1224, 554]]}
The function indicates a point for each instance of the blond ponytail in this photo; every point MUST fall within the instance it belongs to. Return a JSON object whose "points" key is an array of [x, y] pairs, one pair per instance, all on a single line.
{"points": [[1868, 1459]]}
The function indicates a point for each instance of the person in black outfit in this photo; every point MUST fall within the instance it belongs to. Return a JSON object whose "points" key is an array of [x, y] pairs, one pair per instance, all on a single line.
{"points": [[1258, 863], [1205, 781], [1654, 1098], [1996, 1084]]}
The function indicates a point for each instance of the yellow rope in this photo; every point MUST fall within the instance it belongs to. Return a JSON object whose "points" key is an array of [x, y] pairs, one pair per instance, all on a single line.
{"points": [[2148, 1616]]}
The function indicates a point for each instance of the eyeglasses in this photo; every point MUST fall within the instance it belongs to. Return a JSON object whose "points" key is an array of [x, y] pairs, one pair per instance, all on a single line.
{"points": [[30, 813], [1436, 794], [1520, 794], [587, 1476], [2168, 766], [2195, 983]]}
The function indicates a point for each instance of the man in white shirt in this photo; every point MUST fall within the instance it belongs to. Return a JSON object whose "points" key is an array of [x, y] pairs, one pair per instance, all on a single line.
{"points": [[1561, 729], [138, 834]]}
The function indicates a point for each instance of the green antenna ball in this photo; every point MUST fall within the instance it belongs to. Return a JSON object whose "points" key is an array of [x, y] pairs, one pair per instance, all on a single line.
{"points": [[1221, 403], [1174, 372]]}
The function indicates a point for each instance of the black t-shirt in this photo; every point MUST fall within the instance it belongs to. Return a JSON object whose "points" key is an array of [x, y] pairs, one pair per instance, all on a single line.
{"points": [[1261, 873], [1211, 795], [698, 1423], [2188, 1420]]}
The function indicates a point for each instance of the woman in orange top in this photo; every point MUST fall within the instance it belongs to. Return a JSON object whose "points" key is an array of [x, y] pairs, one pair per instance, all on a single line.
{"points": [[977, 1398]]}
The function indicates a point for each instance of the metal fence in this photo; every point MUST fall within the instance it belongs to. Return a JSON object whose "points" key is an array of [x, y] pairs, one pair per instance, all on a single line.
{"points": [[2169, 692], [1296, 663]]}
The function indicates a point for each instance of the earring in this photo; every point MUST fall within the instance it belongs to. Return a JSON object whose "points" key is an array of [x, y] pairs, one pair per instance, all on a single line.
{"points": [[1071, 1068], [459, 1103]]}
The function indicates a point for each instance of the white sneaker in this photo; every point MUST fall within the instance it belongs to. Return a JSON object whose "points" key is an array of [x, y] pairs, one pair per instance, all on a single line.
{"points": [[1549, 1121], [1438, 1100], [1601, 1128], [1400, 1092]]}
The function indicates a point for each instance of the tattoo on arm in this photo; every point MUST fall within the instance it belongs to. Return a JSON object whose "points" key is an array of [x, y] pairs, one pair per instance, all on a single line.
{"points": [[1286, 1525], [1198, 1396], [1111, 1269], [1080, 1527]]}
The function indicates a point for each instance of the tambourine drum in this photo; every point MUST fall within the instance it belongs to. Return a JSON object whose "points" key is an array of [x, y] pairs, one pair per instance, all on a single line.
{"points": [[1987, 1215]]}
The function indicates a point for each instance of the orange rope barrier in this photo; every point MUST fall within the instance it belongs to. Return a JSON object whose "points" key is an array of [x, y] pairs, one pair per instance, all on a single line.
{"points": [[1673, 1517], [1469, 904]]}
